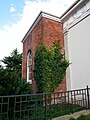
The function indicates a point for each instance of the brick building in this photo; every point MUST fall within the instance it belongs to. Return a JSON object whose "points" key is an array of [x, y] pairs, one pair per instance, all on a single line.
{"points": [[73, 31], [46, 29]]}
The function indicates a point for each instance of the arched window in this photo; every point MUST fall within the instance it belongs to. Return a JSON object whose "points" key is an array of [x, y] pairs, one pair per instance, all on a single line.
{"points": [[29, 67]]}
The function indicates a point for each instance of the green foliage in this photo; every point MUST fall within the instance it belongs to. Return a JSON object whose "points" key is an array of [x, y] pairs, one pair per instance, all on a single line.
{"points": [[50, 67], [14, 61], [37, 111], [40, 57], [10, 76], [52, 111]]}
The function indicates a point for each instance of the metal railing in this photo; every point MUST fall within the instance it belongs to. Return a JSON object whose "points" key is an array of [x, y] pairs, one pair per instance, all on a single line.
{"points": [[43, 106]]}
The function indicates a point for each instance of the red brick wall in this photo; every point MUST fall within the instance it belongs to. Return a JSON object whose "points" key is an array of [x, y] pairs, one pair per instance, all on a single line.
{"points": [[46, 31], [52, 31]]}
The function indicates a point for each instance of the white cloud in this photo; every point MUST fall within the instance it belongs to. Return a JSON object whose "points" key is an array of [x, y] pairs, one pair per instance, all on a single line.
{"points": [[11, 35], [12, 9]]}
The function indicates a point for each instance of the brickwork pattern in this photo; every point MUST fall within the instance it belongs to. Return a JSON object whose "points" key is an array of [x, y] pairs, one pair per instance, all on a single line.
{"points": [[46, 31]]}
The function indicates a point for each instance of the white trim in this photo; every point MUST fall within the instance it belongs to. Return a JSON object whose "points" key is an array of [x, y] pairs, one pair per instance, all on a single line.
{"points": [[28, 65], [42, 14], [29, 81], [67, 55], [27, 69], [51, 17]]}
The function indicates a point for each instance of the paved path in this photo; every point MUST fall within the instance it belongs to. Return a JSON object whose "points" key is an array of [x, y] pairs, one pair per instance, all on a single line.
{"points": [[74, 115]]}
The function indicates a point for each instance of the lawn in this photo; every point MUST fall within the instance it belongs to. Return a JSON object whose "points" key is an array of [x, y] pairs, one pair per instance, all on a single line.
{"points": [[82, 117]]}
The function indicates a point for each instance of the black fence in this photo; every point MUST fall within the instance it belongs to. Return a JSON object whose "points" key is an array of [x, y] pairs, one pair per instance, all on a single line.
{"points": [[43, 106]]}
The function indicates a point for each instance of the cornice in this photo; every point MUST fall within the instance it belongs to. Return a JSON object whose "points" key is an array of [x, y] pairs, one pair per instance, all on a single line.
{"points": [[77, 16]]}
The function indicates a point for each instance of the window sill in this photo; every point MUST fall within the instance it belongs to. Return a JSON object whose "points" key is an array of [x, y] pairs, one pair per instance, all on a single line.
{"points": [[29, 81]]}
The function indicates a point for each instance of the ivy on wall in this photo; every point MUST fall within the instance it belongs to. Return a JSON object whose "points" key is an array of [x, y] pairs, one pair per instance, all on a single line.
{"points": [[50, 67]]}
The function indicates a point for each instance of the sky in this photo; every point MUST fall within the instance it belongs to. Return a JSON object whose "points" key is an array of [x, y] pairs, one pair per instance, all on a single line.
{"points": [[16, 17]]}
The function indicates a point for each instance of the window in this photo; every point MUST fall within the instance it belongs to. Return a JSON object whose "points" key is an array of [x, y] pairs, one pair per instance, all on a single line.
{"points": [[29, 67]]}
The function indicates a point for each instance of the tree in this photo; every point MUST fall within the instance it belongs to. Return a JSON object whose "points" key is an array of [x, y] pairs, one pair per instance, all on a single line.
{"points": [[14, 62], [50, 67], [11, 82]]}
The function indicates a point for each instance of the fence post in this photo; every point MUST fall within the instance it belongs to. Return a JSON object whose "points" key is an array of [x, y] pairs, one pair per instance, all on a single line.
{"points": [[88, 97], [45, 107]]}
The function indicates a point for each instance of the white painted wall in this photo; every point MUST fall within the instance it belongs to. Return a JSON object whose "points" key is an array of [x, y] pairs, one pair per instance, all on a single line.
{"points": [[79, 54]]}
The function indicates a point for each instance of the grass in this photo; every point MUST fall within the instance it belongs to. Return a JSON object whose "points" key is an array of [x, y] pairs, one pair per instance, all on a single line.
{"points": [[82, 117]]}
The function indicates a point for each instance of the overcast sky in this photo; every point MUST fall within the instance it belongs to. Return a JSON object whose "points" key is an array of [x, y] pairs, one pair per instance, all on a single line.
{"points": [[16, 17]]}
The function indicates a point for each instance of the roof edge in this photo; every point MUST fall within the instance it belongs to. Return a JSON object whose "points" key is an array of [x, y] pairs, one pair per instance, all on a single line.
{"points": [[41, 14], [72, 7]]}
